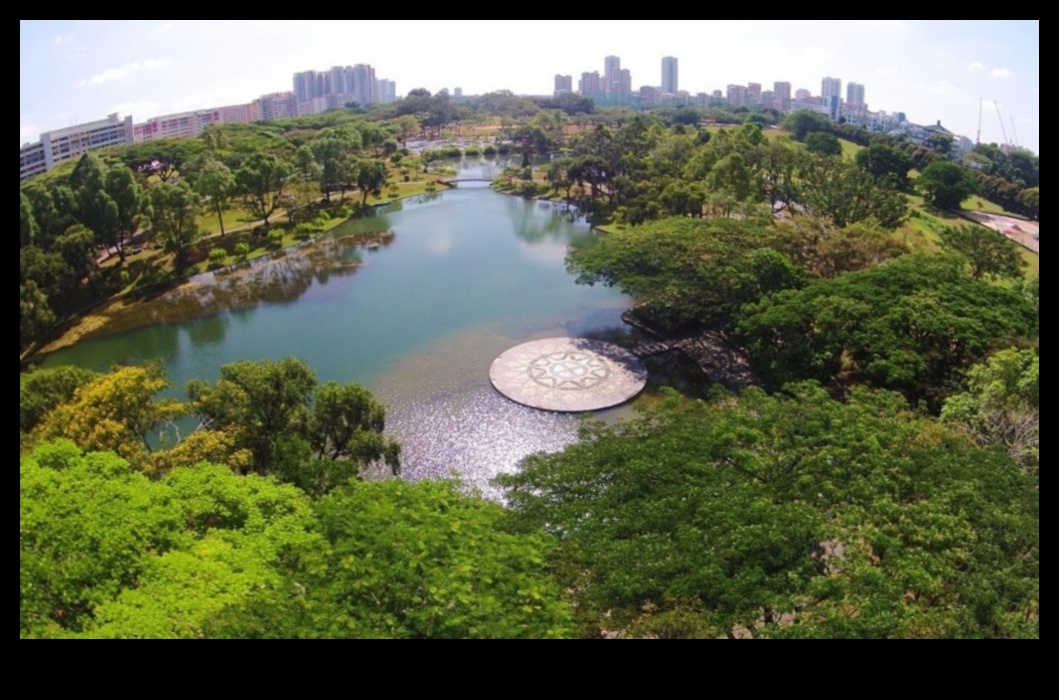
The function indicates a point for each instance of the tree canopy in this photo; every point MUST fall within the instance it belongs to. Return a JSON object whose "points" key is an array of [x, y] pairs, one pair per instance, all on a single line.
{"points": [[787, 516], [946, 185], [913, 325]]}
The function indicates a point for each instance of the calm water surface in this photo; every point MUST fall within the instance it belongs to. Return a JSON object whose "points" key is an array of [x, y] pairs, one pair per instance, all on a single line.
{"points": [[468, 274]]}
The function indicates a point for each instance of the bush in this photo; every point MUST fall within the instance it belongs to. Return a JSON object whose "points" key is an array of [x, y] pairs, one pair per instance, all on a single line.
{"points": [[490, 150], [217, 257], [242, 251], [473, 152], [275, 240], [303, 232], [504, 149]]}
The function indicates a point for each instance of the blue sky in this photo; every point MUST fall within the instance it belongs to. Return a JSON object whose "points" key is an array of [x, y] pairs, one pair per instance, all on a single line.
{"points": [[73, 71]]}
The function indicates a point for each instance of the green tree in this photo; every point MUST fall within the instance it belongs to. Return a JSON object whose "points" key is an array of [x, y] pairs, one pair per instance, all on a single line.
{"points": [[35, 316], [914, 325], [42, 391], [946, 185], [803, 123], [336, 164], [1002, 406], [175, 218], [129, 205], [215, 185], [27, 230], [823, 144], [884, 161], [826, 252], [787, 516], [110, 201], [988, 253], [407, 126], [371, 178], [686, 273], [105, 552], [410, 561], [843, 193], [77, 247], [261, 403], [262, 182]]}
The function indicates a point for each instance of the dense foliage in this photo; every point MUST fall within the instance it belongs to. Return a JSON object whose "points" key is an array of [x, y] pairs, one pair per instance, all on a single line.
{"points": [[790, 516], [914, 326], [105, 552]]}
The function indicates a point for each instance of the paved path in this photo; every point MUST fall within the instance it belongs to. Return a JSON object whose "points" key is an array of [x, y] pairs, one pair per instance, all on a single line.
{"points": [[1018, 230], [567, 375]]}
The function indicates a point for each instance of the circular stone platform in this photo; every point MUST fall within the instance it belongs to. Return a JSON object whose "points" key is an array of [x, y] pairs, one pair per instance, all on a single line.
{"points": [[567, 375]]}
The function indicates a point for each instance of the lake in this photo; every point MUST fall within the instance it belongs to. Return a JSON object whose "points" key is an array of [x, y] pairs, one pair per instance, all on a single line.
{"points": [[466, 275]]}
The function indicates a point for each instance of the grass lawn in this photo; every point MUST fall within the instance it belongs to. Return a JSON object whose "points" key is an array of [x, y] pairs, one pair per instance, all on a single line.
{"points": [[923, 232], [981, 204], [850, 149], [233, 219]]}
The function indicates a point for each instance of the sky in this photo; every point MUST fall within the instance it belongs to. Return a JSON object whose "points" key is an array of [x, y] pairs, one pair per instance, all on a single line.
{"points": [[73, 71]]}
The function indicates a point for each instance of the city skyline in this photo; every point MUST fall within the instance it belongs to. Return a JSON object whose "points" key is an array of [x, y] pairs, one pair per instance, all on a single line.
{"points": [[77, 71]]}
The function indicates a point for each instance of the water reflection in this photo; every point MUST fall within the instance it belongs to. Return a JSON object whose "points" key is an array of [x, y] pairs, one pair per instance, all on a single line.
{"points": [[415, 302]]}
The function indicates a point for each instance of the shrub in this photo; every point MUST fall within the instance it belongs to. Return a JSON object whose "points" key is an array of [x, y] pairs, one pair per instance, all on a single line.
{"points": [[473, 152], [217, 257], [242, 251], [490, 150], [275, 240]]}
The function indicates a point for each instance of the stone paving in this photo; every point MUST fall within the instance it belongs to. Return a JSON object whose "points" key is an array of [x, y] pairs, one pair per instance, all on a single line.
{"points": [[568, 375]]}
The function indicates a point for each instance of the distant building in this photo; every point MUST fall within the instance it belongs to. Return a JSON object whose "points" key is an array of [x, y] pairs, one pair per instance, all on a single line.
{"points": [[174, 126], [803, 95], [278, 105], [564, 84], [834, 107], [753, 94], [458, 93], [855, 94], [591, 85], [650, 96], [623, 86], [670, 75], [238, 114], [783, 96], [830, 87], [388, 92], [365, 87], [611, 73], [768, 100], [62, 145], [718, 96], [737, 96], [307, 86]]}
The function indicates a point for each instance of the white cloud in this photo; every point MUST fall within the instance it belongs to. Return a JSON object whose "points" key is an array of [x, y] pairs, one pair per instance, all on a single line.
{"points": [[64, 39], [976, 66], [113, 74], [1001, 73]]}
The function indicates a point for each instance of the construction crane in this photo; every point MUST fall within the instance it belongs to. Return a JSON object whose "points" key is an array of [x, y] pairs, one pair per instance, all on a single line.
{"points": [[1000, 116], [981, 111], [1015, 133]]}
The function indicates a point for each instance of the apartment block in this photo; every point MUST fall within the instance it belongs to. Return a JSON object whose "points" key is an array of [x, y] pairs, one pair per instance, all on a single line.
{"points": [[71, 143]]}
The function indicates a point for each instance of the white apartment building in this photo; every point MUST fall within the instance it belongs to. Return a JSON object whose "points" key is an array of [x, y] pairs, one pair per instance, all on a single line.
{"points": [[71, 143]]}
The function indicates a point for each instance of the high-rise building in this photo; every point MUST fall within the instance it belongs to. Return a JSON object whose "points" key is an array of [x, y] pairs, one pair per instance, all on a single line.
{"points": [[563, 84], [670, 75], [591, 85], [783, 96], [278, 105], [611, 72], [457, 93], [387, 92], [831, 87], [855, 94], [341, 81], [753, 93], [306, 86], [62, 145], [623, 86], [768, 100], [737, 96], [803, 95], [365, 88]]}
